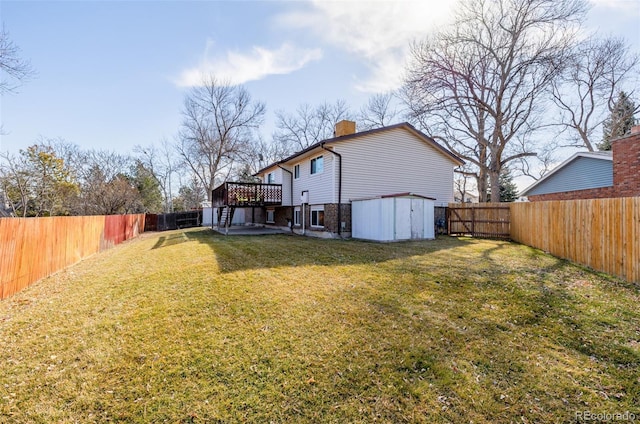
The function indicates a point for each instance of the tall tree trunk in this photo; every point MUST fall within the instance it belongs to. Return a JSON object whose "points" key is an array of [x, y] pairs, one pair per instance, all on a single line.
{"points": [[494, 178]]}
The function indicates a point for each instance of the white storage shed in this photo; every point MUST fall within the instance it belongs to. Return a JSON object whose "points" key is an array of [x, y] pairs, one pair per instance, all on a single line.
{"points": [[394, 217]]}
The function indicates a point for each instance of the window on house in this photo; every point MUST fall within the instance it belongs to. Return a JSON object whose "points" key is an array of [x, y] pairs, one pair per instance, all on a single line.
{"points": [[271, 216], [296, 172], [317, 217], [317, 165], [271, 178], [297, 217]]}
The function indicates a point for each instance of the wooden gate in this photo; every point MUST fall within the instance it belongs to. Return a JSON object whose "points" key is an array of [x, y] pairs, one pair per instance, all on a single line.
{"points": [[488, 220]]}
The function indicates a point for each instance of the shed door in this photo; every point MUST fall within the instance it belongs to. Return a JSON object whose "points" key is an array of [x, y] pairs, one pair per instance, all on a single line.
{"points": [[403, 218], [417, 218]]}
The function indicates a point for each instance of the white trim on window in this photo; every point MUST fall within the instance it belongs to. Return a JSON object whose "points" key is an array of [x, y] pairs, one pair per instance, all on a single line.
{"points": [[296, 172], [271, 178], [317, 216], [271, 216], [317, 165], [297, 216]]}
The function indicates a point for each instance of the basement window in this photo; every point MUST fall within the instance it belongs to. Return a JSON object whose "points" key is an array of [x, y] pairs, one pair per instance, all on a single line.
{"points": [[271, 216], [317, 217]]}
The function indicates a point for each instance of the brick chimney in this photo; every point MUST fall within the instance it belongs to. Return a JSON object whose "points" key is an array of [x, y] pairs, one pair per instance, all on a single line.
{"points": [[344, 127], [626, 164]]}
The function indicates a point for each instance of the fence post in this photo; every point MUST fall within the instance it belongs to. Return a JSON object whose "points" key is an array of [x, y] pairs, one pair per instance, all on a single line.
{"points": [[447, 217], [473, 222]]}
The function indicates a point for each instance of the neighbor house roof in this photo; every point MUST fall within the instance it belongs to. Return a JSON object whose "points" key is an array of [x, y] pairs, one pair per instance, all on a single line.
{"points": [[583, 170], [344, 138]]}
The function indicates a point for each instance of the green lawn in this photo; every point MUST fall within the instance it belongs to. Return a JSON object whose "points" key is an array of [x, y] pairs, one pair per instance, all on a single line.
{"points": [[188, 326]]}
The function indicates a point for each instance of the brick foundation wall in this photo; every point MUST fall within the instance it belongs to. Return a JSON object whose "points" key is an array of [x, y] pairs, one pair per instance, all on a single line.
{"points": [[331, 218], [331, 223], [283, 216], [592, 193], [259, 215]]}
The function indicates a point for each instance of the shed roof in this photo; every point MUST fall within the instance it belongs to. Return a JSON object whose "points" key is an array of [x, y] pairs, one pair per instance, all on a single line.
{"points": [[385, 196]]}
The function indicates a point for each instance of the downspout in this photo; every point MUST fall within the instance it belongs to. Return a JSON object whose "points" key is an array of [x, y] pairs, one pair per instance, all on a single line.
{"points": [[339, 188], [291, 193]]}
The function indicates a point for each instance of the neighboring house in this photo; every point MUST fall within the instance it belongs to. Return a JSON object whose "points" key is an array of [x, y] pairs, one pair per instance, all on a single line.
{"points": [[318, 183], [5, 210], [582, 171], [593, 175], [468, 197]]}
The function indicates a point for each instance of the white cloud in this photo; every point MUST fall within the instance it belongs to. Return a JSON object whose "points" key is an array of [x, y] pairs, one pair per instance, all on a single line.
{"points": [[627, 6], [240, 67], [379, 33]]}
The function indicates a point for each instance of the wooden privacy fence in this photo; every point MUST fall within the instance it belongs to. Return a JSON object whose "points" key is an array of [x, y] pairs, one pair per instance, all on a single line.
{"points": [[603, 234], [34, 248], [490, 220], [173, 221]]}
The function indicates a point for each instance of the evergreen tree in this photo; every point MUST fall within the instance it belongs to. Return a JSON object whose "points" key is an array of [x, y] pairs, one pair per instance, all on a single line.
{"points": [[508, 189], [150, 200], [620, 121]]}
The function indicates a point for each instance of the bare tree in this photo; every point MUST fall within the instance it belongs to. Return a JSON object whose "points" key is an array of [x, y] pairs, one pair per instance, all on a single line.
{"points": [[106, 188], [587, 90], [15, 183], [262, 154], [308, 125], [478, 86], [378, 112], [160, 160], [11, 65], [464, 183], [538, 166], [218, 128]]}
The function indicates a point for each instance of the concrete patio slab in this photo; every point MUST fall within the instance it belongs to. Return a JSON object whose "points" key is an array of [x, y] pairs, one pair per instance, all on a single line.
{"points": [[249, 230]]}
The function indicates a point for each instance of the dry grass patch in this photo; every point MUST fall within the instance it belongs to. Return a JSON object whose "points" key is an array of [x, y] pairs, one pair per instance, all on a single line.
{"points": [[188, 326]]}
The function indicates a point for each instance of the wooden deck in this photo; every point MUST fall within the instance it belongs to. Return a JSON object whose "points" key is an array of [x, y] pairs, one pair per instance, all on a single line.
{"points": [[238, 195]]}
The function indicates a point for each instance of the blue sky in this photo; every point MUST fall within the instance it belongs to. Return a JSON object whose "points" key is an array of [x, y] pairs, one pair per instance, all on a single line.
{"points": [[113, 74]]}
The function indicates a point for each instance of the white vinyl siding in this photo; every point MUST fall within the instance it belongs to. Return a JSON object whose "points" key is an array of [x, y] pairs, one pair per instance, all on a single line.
{"points": [[321, 187], [580, 174], [279, 177], [391, 162], [386, 162]]}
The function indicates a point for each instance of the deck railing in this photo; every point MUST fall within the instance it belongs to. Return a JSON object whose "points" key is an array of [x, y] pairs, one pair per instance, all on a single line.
{"points": [[247, 194]]}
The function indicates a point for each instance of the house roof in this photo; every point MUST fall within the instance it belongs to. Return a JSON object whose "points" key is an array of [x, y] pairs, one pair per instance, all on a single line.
{"points": [[334, 140], [605, 156]]}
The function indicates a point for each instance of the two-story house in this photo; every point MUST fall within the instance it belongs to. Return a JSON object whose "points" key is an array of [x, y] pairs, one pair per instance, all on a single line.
{"points": [[319, 183]]}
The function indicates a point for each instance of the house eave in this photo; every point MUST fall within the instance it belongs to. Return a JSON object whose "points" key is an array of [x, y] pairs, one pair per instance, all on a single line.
{"points": [[331, 141]]}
